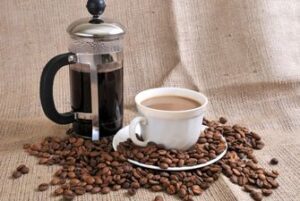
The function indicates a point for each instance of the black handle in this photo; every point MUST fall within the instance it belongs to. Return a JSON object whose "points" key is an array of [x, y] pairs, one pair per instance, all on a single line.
{"points": [[46, 89]]}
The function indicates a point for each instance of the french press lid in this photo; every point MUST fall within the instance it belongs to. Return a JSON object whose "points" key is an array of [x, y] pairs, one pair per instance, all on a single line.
{"points": [[96, 27]]}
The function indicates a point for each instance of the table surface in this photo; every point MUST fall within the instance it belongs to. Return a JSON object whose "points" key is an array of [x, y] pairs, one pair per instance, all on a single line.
{"points": [[244, 55]]}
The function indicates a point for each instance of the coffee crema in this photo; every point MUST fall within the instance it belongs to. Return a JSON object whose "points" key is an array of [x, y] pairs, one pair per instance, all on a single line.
{"points": [[171, 103]]}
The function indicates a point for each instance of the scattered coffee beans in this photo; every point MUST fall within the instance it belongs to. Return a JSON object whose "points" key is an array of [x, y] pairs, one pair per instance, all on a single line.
{"points": [[131, 191], [257, 196], [222, 120], [94, 167], [274, 161], [21, 169], [16, 174], [43, 187]]}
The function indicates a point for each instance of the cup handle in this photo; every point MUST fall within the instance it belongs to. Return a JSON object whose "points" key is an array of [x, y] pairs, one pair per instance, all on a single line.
{"points": [[132, 134]]}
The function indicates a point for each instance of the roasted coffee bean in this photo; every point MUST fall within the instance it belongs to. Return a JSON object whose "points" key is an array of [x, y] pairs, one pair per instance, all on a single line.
{"points": [[58, 191], [222, 120], [88, 188], [16, 174], [71, 175], [182, 192], [24, 170], [274, 161], [188, 198], [74, 182], [131, 191], [55, 181], [156, 188], [135, 185], [68, 197], [43, 187], [158, 198], [197, 189], [90, 180], [171, 189], [116, 187], [257, 196], [95, 190], [266, 192], [80, 190], [126, 185], [248, 188], [105, 190], [163, 165], [20, 167]]}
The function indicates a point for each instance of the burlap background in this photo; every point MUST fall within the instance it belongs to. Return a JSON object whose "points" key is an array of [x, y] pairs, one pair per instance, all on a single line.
{"points": [[244, 55]]}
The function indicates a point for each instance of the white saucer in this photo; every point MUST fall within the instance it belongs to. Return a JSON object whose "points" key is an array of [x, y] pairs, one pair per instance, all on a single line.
{"points": [[123, 135]]}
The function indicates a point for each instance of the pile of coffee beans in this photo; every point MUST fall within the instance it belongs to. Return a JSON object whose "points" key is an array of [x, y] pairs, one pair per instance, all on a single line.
{"points": [[208, 147], [20, 170], [94, 167]]}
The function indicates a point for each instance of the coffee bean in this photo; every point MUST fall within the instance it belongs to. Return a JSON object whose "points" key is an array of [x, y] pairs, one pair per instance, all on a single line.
{"points": [[188, 198], [248, 188], [95, 190], [261, 176], [182, 192], [181, 163], [24, 170], [164, 166], [257, 196], [89, 180], [105, 190], [156, 188], [222, 120], [88, 188], [202, 160], [171, 189], [158, 198], [273, 182], [68, 197], [71, 175], [116, 187], [236, 172], [234, 179], [191, 161], [16, 174], [80, 190], [126, 185], [43, 187], [58, 191], [74, 182], [274, 161], [20, 167], [197, 189], [266, 192], [55, 181], [131, 191], [139, 155]]}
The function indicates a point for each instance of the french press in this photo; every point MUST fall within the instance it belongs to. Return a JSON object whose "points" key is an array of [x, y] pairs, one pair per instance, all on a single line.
{"points": [[96, 76]]}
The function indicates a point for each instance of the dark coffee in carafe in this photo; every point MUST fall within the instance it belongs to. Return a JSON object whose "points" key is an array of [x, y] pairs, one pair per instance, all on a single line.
{"points": [[110, 98]]}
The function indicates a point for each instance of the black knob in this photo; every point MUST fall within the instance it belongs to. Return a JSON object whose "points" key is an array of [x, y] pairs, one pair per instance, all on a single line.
{"points": [[96, 7]]}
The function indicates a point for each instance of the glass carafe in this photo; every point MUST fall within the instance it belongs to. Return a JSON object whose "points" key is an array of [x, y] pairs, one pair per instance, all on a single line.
{"points": [[95, 60]]}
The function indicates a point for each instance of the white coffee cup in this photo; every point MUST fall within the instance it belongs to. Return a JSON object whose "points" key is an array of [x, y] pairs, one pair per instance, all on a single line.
{"points": [[173, 129]]}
